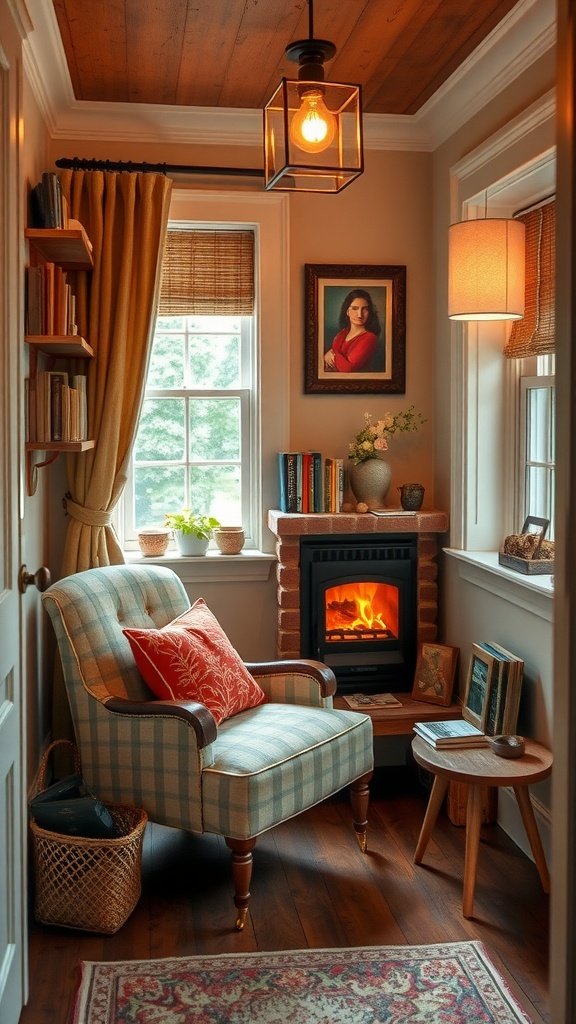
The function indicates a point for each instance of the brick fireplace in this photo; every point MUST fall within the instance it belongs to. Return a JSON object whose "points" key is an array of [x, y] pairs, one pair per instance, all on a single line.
{"points": [[290, 529]]}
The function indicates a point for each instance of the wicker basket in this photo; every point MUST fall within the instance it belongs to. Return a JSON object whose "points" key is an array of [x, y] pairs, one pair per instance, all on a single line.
{"points": [[89, 884]]}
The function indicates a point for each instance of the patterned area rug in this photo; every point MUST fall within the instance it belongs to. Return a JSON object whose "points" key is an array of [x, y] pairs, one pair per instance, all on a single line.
{"points": [[453, 983]]}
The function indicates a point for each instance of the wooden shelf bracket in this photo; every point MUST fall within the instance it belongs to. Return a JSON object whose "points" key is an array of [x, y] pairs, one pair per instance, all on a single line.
{"points": [[33, 467]]}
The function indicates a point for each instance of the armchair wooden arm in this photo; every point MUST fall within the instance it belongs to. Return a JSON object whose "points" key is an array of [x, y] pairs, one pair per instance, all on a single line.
{"points": [[196, 715], [321, 674]]}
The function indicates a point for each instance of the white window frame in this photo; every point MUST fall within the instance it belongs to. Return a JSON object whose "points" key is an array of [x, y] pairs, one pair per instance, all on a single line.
{"points": [[267, 215], [531, 381], [250, 451], [493, 180]]}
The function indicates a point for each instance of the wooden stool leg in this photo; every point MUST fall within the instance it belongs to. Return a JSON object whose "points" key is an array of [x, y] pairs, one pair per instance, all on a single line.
{"points": [[439, 787], [527, 812], [473, 823]]}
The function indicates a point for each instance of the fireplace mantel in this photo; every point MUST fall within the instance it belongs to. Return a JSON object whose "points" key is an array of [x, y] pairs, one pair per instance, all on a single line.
{"points": [[293, 524], [290, 527]]}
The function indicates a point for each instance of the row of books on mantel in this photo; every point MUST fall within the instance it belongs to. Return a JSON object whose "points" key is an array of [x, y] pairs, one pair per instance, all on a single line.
{"points": [[308, 482], [491, 701]]}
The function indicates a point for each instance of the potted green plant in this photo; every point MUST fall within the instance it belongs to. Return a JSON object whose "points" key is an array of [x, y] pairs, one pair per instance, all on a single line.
{"points": [[192, 530]]}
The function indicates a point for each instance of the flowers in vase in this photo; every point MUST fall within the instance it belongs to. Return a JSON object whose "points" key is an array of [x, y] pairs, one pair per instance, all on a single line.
{"points": [[372, 440]]}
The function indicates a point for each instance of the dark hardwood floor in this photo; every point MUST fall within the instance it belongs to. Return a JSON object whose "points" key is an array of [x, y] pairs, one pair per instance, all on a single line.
{"points": [[311, 887]]}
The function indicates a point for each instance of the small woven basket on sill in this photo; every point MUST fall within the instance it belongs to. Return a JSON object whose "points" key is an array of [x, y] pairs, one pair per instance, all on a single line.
{"points": [[89, 884]]}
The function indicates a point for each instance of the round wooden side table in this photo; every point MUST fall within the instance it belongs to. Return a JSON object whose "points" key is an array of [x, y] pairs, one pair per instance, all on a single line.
{"points": [[477, 768]]}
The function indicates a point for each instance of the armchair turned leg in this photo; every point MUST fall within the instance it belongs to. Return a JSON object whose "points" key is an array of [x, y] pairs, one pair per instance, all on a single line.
{"points": [[359, 796], [241, 874]]}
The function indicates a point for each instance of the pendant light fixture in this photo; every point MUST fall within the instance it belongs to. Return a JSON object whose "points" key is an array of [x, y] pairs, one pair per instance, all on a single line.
{"points": [[486, 270], [312, 128]]}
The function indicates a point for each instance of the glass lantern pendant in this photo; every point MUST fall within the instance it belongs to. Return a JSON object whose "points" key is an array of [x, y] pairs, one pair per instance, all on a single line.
{"points": [[312, 128]]}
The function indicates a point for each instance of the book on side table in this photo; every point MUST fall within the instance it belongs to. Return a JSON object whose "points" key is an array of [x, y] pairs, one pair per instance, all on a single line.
{"points": [[447, 735], [359, 701]]}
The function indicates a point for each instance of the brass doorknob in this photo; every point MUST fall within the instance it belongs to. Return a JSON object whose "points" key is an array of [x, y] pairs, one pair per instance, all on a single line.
{"points": [[40, 578]]}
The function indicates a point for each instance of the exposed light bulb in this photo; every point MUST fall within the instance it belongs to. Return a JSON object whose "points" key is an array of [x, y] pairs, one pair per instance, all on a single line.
{"points": [[313, 126]]}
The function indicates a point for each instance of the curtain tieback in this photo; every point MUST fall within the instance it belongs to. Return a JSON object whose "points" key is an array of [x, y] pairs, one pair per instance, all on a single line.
{"points": [[89, 516]]}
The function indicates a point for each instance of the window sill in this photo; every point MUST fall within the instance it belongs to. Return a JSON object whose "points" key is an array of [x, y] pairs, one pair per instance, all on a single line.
{"points": [[533, 593], [247, 567]]}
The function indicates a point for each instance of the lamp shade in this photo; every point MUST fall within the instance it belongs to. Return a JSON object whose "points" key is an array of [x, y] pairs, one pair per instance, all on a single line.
{"points": [[486, 270], [312, 136]]}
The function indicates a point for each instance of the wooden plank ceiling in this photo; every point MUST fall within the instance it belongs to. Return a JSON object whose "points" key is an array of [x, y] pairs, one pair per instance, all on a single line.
{"points": [[230, 53]]}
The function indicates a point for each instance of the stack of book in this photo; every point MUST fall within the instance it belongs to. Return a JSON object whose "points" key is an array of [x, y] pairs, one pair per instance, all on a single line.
{"points": [[309, 483], [447, 735]]}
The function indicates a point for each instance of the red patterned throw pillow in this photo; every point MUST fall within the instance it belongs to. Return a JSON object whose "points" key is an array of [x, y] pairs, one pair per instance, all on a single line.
{"points": [[191, 658]]}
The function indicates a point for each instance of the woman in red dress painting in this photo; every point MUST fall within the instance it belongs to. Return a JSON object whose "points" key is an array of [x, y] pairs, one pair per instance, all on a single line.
{"points": [[355, 344]]}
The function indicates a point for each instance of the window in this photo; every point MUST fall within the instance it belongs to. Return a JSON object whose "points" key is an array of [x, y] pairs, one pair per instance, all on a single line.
{"points": [[193, 444], [532, 342], [264, 368], [537, 425]]}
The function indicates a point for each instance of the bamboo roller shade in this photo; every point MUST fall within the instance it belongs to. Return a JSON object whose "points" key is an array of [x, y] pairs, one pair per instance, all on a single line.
{"points": [[534, 335], [207, 273]]}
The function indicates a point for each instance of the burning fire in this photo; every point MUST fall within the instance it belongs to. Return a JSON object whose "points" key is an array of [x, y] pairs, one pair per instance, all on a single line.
{"points": [[357, 607]]}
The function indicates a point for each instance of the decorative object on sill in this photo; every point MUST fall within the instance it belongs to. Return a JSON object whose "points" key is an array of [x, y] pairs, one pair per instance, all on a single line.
{"points": [[370, 474], [230, 539], [535, 334], [192, 530], [153, 541], [486, 270], [528, 552], [411, 497], [312, 128]]}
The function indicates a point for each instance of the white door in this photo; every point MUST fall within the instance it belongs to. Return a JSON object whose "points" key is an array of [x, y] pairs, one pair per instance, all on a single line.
{"points": [[13, 937]]}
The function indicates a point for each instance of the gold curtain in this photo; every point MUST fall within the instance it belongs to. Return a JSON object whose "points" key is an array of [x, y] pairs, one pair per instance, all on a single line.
{"points": [[208, 272], [125, 217], [535, 334]]}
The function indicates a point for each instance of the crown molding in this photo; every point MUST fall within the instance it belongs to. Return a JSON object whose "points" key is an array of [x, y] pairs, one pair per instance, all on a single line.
{"points": [[527, 33]]}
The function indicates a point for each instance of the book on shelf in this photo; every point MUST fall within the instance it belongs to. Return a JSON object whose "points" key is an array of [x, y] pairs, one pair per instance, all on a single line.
{"points": [[359, 701], [300, 481], [455, 733], [48, 206], [333, 484]]}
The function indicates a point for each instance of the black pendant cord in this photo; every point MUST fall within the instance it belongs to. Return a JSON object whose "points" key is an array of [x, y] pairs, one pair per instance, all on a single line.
{"points": [[81, 164]]}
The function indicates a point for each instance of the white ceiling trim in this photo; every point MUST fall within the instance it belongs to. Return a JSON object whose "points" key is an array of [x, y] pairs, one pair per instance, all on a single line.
{"points": [[527, 33]]}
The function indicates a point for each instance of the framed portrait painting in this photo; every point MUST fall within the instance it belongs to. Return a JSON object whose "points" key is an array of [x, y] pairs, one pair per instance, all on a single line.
{"points": [[355, 329], [435, 672]]}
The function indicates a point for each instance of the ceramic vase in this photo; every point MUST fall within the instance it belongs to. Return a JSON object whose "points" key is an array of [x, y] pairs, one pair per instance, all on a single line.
{"points": [[370, 481], [188, 544]]}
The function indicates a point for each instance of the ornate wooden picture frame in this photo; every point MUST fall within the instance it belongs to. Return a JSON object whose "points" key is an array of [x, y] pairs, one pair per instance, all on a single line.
{"points": [[374, 359]]}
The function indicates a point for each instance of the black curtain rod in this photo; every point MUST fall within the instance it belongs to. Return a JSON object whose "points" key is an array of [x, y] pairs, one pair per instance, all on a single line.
{"points": [[79, 164]]}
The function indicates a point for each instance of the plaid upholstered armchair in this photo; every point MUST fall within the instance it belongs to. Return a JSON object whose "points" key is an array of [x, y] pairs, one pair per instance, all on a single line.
{"points": [[238, 778]]}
